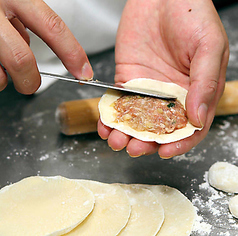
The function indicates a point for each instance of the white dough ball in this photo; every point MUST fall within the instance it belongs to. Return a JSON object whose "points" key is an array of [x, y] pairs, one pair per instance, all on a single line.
{"points": [[224, 176], [233, 206]]}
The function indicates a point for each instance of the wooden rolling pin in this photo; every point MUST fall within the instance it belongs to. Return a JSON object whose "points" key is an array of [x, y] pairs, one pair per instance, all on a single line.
{"points": [[81, 116]]}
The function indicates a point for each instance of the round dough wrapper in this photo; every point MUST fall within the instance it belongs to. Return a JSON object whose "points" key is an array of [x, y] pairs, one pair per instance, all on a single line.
{"points": [[43, 206], [108, 113], [233, 206], [179, 213], [147, 214], [224, 176], [110, 214]]}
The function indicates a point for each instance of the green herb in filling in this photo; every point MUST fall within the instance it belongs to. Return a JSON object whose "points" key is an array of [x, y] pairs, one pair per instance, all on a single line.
{"points": [[171, 104]]}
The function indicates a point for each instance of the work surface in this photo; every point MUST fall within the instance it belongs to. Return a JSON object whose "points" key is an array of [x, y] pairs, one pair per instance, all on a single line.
{"points": [[31, 144]]}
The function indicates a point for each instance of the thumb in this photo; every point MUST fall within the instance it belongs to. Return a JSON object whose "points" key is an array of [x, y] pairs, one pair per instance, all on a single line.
{"points": [[207, 75]]}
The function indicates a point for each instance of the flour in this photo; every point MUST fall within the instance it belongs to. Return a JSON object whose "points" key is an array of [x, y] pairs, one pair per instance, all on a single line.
{"points": [[189, 157], [213, 212], [225, 125], [200, 227], [229, 141], [16, 153], [44, 157], [67, 149]]}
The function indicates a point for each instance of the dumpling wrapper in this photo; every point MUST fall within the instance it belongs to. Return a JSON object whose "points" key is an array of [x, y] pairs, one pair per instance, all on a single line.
{"points": [[43, 206], [110, 214], [147, 214], [179, 213], [108, 113]]}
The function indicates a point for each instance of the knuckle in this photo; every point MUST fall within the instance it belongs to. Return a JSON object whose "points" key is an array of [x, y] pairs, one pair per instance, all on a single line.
{"points": [[203, 38], [54, 23], [21, 59], [212, 87]]}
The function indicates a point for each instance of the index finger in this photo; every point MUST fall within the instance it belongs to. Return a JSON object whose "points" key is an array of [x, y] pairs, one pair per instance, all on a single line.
{"points": [[44, 22]]}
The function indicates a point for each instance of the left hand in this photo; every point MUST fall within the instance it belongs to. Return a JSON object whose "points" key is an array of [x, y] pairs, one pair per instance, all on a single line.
{"points": [[180, 41], [15, 54]]}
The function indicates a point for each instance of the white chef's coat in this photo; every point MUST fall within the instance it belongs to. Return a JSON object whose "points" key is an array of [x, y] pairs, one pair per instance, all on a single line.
{"points": [[94, 23]]}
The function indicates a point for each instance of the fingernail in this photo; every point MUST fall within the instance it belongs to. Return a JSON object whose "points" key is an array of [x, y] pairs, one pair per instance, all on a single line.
{"points": [[135, 156], [115, 150], [87, 72], [169, 157], [202, 114]]}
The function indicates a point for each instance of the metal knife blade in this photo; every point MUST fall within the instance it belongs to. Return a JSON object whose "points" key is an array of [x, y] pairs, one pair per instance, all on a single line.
{"points": [[145, 92]]}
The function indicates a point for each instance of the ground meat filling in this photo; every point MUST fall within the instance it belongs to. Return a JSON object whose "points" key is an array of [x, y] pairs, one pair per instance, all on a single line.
{"points": [[150, 114]]}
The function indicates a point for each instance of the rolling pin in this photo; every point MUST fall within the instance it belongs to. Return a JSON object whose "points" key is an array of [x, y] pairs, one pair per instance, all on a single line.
{"points": [[81, 116]]}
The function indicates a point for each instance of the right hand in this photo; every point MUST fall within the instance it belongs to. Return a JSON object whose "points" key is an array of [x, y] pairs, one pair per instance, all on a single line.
{"points": [[179, 41], [15, 54]]}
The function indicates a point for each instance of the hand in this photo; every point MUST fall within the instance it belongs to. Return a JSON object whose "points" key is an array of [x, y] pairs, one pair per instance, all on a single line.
{"points": [[15, 54], [179, 41]]}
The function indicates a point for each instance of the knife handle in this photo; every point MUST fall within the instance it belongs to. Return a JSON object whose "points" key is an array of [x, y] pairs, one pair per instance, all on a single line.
{"points": [[81, 116]]}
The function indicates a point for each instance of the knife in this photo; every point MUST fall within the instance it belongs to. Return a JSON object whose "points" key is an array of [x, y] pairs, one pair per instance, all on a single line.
{"points": [[140, 91], [81, 116]]}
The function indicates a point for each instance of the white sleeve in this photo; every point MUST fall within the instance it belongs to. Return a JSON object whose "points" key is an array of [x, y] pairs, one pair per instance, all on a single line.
{"points": [[94, 23]]}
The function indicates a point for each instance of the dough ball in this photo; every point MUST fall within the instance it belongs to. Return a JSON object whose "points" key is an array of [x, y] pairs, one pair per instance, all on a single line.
{"points": [[233, 206], [224, 176], [43, 206]]}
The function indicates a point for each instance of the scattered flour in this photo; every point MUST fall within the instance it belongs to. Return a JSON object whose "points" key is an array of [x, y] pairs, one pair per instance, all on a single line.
{"points": [[225, 125], [190, 157], [213, 211], [229, 142], [44, 157], [201, 227]]}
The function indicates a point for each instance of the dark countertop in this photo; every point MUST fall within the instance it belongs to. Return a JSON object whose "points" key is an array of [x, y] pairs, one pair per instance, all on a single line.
{"points": [[31, 144]]}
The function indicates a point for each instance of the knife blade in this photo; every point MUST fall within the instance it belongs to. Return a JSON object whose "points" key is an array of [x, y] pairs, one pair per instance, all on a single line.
{"points": [[119, 87]]}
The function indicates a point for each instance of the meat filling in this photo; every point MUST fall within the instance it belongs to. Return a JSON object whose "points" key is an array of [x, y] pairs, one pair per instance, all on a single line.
{"points": [[150, 114]]}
